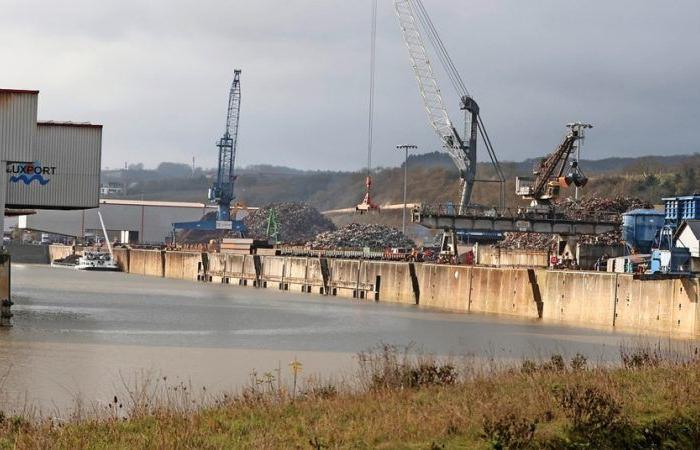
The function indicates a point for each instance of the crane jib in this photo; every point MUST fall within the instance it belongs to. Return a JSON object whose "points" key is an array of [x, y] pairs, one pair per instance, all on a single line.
{"points": [[414, 22]]}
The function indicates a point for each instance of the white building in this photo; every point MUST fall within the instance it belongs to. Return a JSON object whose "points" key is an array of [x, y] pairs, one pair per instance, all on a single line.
{"points": [[688, 236], [111, 188]]}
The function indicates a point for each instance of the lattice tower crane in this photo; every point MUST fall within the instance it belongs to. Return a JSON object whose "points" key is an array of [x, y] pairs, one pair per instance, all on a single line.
{"points": [[222, 192], [415, 22]]}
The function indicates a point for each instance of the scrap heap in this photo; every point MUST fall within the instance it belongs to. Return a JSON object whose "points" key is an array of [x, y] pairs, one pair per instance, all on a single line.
{"points": [[358, 235], [297, 223], [575, 210]]}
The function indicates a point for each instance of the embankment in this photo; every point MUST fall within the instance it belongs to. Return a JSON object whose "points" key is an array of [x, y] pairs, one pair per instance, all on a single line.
{"points": [[668, 306]]}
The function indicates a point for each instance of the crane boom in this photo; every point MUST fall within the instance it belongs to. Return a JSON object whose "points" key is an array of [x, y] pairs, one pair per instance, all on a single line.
{"points": [[222, 191], [415, 24], [463, 155]]}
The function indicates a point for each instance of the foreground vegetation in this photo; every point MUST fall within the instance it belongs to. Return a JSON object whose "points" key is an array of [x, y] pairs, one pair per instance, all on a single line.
{"points": [[404, 401]]}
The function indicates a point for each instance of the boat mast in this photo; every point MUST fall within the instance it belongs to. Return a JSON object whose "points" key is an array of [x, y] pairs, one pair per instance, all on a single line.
{"points": [[104, 230]]}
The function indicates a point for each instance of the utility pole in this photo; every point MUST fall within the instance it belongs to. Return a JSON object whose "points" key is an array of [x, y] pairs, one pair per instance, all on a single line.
{"points": [[406, 148]]}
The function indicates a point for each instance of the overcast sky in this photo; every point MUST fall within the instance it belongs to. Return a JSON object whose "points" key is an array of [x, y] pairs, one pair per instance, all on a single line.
{"points": [[156, 74]]}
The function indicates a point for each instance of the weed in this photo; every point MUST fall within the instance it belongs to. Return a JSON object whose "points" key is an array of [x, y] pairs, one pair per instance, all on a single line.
{"points": [[529, 367], [386, 367], [590, 409], [509, 431], [640, 357], [579, 362]]}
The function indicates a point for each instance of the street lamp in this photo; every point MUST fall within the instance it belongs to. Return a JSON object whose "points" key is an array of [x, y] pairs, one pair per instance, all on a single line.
{"points": [[406, 148]]}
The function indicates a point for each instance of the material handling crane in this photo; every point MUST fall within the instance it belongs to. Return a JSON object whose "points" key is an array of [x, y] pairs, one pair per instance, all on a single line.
{"points": [[549, 176], [415, 22], [221, 193]]}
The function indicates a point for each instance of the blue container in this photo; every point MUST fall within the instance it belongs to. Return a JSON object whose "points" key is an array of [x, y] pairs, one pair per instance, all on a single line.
{"points": [[640, 228]]}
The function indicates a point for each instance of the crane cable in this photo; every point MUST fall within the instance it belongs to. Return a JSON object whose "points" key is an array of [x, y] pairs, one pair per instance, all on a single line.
{"points": [[372, 66]]}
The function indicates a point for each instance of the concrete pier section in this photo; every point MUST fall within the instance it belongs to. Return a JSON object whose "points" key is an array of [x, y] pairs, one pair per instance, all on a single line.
{"points": [[581, 298]]}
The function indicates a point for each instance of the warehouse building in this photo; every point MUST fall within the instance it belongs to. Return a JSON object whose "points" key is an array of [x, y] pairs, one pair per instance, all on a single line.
{"points": [[127, 221], [48, 165]]}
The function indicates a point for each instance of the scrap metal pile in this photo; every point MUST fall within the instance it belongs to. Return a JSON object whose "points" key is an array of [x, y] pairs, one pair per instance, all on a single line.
{"points": [[297, 223], [358, 235], [577, 210]]}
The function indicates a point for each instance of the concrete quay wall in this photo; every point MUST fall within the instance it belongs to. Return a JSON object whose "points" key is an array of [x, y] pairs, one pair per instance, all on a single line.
{"points": [[489, 255], [57, 251], [578, 298]]}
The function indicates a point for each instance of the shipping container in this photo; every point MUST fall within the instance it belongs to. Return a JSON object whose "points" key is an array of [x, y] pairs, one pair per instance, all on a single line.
{"points": [[17, 124], [65, 172]]}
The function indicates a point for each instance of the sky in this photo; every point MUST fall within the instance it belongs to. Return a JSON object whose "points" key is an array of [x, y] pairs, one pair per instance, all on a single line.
{"points": [[157, 73]]}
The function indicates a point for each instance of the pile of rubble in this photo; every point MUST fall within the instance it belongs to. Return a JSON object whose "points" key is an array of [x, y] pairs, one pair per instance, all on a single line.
{"points": [[358, 235], [297, 222], [578, 210]]}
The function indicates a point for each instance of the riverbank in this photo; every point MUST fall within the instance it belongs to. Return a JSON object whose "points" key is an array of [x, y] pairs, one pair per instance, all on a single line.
{"points": [[412, 402]]}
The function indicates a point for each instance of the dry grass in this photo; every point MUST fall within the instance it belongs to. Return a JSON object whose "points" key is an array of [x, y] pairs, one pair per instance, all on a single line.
{"points": [[404, 401]]}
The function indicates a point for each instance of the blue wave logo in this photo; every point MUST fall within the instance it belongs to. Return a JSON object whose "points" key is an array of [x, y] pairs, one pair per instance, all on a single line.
{"points": [[27, 173], [28, 180]]}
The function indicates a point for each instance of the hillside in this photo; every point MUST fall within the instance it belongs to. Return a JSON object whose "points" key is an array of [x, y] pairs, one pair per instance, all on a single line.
{"points": [[432, 179]]}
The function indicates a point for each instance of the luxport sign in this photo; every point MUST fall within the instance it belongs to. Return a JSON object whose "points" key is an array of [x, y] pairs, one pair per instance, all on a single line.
{"points": [[64, 171], [29, 173]]}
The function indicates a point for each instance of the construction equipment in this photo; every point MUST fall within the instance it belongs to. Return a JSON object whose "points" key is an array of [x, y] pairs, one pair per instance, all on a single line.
{"points": [[221, 192], [415, 22], [549, 177]]}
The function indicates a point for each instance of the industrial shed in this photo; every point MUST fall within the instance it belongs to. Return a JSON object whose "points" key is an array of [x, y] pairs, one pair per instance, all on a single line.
{"points": [[126, 221]]}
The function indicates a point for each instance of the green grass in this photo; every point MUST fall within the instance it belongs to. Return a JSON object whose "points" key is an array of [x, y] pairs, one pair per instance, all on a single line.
{"points": [[399, 402]]}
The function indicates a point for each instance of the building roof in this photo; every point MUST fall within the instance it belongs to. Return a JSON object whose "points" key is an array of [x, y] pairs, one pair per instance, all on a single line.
{"points": [[17, 91], [643, 212], [682, 197], [54, 123], [151, 203], [162, 204], [694, 226]]}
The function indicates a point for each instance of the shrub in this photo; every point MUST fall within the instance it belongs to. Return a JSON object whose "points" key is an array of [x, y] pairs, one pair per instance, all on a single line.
{"points": [[385, 367], [579, 362], [509, 431], [590, 409]]}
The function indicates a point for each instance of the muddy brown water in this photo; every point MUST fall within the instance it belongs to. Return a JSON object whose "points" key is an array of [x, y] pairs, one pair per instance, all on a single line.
{"points": [[85, 334]]}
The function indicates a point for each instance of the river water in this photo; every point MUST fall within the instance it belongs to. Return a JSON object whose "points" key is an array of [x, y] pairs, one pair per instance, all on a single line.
{"points": [[85, 334]]}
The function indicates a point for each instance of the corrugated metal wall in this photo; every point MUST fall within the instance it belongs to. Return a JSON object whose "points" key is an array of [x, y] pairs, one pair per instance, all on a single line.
{"points": [[157, 221], [70, 155], [17, 124]]}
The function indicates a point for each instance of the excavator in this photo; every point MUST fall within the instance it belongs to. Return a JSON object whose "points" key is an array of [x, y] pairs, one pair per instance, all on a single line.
{"points": [[551, 175]]}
